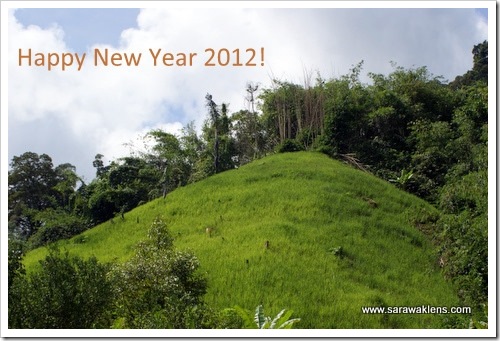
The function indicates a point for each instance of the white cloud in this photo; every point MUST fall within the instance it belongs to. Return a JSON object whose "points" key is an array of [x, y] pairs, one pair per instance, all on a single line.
{"points": [[98, 109]]}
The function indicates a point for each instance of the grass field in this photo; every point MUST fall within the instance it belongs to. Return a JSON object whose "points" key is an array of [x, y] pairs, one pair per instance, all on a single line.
{"points": [[337, 239]]}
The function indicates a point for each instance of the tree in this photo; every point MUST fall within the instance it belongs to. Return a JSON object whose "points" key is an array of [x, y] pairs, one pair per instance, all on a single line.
{"points": [[126, 183], [283, 110], [248, 135], [346, 108], [56, 224], [191, 143], [479, 72], [227, 145], [214, 119], [101, 202], [44, 202], [31, 181], [98, 164], [169, 159], [480, 59], [34, 185], [220, 151], [67, 181]]}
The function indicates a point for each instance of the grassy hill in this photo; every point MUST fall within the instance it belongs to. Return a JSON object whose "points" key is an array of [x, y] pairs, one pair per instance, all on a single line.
{"points": [[338, 239]]}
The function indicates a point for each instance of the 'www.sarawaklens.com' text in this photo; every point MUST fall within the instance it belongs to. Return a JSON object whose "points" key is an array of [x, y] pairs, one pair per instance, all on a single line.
{"points": [[423, 309]]}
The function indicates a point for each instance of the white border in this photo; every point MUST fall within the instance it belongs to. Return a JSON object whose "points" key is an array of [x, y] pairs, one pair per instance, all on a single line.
{"points": [[4, 161], [491, 332]]}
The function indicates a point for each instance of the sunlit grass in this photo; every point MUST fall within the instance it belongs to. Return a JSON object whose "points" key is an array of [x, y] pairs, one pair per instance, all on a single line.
{"points": [[338, 239]]}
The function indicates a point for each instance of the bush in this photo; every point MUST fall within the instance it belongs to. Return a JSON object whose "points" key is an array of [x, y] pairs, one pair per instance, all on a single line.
{"points": [[464, 235], [160, 287], [16, 253], [56, 225], [68, 292], [289, 146], [465, 251]]}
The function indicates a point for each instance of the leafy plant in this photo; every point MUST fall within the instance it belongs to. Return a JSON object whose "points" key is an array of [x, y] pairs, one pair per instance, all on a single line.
{"points": [[260, 321], [480, 323], [403, 179], [337, 251]]}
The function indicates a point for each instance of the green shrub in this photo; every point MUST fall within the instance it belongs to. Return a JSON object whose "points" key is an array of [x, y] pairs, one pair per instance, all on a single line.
{"points": [[289, 146], [16, 253], [465, 254], [464, 235], [160, 287], [57, 224], [68, 292]]}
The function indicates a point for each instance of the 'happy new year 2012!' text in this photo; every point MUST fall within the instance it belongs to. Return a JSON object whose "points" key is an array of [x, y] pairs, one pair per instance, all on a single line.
{"points": [[223, 57]]}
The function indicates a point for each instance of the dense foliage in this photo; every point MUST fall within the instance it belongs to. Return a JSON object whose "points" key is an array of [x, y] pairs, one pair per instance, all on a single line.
{"points": [[159, 288], [425, 135], [67, 292]]}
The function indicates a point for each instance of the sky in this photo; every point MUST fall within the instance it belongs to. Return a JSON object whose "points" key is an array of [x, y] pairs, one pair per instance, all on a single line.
{"points": [[73, 115]]}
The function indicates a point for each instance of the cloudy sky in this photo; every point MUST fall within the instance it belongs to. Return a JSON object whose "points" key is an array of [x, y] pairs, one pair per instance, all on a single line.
{"points": [[73, 115]]}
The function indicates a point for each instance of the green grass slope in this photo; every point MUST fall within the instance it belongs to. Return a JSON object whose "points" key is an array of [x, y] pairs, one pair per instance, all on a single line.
{"points": [[339, 239]]}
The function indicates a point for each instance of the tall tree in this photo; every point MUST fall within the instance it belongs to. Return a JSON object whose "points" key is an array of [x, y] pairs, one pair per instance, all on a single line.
{"points": [[479, 70], [31, 189], [98, 164], [214, 119], [249, 135], [67, 181], [169, 159]]}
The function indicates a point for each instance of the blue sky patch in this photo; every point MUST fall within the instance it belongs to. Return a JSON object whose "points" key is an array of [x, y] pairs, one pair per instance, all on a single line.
{"points": [[83, 27]]}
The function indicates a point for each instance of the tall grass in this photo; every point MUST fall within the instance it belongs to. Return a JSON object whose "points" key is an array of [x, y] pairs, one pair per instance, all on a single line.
{"points": [[337, 239]]}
